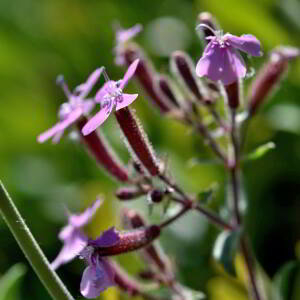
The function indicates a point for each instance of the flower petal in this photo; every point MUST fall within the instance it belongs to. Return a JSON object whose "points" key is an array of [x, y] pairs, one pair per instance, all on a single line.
{"points": [[127, 99], [211, 63], [49, 133], [103, 91], [86, 87], [108, 238], [57, 137], [234, 67], [83, 218], [129, 73], [247, 43], [123, 35], [96, 121], [71, 248], [96, 279]]}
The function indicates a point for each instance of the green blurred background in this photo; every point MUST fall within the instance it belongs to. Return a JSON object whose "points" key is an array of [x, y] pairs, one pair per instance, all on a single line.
{"points": [[41, 39]]}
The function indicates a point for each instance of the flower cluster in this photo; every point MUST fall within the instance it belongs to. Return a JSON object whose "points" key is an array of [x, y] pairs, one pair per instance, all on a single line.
{"points": [[188, 96]]}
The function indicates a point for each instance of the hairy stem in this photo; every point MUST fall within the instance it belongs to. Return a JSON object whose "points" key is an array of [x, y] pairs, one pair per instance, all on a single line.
{"points": [[31, 249], [235, 183]]}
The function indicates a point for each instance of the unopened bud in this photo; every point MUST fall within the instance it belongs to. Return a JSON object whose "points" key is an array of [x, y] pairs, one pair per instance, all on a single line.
{"points": [[156, 196], [129, 193], [132, 219], [183, 67], [145, 74], [138, 143], [100, 149], [233, 94], [207, 19], [266, 80], [131, 241], [164, 88]]}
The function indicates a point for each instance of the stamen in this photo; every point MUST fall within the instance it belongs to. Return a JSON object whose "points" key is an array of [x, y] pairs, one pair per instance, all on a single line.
{"points": [[207, 27], [60, 81], [106, 77]]}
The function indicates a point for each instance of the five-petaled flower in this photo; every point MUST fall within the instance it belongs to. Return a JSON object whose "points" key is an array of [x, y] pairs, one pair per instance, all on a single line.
{"points": [[109, 96], [73, 238], [221, 60], [98, 275], [72, 110]]}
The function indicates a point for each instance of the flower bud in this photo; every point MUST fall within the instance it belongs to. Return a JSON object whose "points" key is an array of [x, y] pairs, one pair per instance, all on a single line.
{"points": [[145, 74], [164, 88], [137, 141], [183, 68], [207, 19], [129, 193], [233, 94], [156, 196], [267, 79], [132, 219], [98, 146], [131, 241]]}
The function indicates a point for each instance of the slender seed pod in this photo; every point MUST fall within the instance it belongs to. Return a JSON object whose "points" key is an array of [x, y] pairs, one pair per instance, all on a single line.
{"points": [[100, 149], [267, 79], [130, 193], [131, 241], [138, 143], [183, 68], [233, 95], [145, 74], [152, 253], [164, 88]]}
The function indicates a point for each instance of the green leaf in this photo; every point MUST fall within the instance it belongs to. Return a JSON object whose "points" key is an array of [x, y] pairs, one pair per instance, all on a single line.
{"points": [[286, 279], [207, 195], [225, 249], [10, 280], [260, 151]]}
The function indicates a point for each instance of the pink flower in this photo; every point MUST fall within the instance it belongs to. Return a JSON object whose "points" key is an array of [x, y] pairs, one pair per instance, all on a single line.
{"points": [[109, 96], [221, 60], [73, 238], [72, 110], [123, 36]]}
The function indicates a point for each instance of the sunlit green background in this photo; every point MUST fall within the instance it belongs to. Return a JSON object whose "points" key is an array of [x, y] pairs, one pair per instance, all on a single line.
{"points": [[41, 39]]}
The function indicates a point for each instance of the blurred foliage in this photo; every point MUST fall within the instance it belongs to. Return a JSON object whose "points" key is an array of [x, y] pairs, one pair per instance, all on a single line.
{"points": [[41, 39]]}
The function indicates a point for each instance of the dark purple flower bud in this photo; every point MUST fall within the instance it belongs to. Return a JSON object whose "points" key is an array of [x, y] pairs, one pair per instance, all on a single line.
{"points": [[156, 196], [269, 76], [145, 74], [233, 98], [183, 68], [132, 219], [164, 88], [126, 241], [102, 152], [130, 193], [147, 275], [138, 142], [209, 20]]}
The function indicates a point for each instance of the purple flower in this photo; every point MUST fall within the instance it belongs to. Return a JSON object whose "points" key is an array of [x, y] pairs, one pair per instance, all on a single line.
{"points": [[98, 275], [73, 238], [123, 36], [221, 60], [72, 110], [109, 96]]}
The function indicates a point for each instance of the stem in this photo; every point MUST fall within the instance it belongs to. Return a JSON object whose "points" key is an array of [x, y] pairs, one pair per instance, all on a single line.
{"points": [[175, 217], [31, 249], [235, 182], [188, 204]]}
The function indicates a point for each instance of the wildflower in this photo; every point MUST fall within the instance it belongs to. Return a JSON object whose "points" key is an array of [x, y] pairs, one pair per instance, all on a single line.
{"points": [[72, 110], [122, 37], [73, 238], [98, 275], [109, 96], [100, 272], [221, 60]]}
